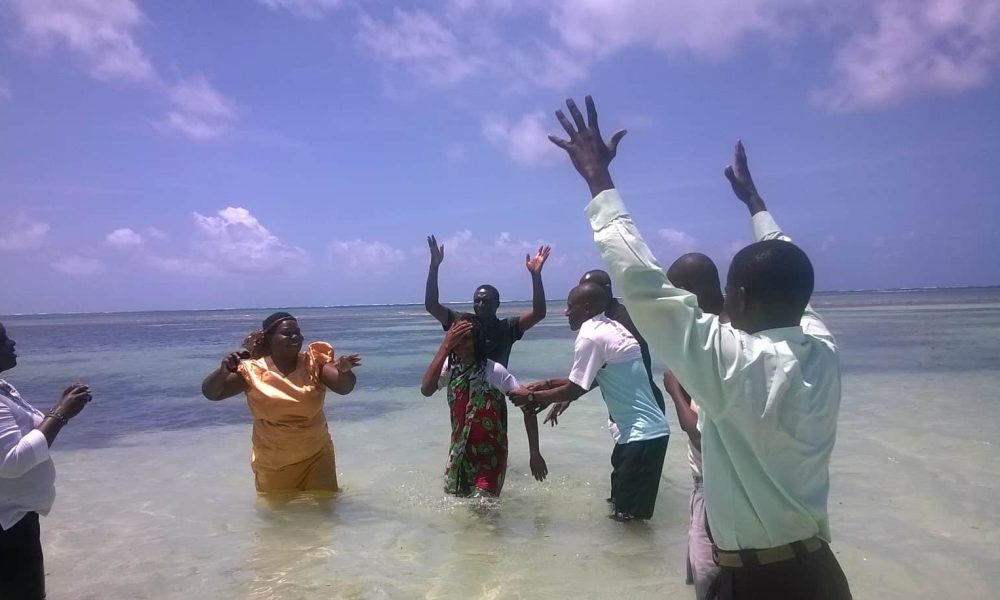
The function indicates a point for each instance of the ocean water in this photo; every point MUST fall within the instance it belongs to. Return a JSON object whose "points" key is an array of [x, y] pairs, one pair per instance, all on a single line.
{"points": [[155, 496]]}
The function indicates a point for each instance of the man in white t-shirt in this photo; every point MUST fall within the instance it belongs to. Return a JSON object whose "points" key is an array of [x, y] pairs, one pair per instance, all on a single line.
{"points": [[608, 356]]}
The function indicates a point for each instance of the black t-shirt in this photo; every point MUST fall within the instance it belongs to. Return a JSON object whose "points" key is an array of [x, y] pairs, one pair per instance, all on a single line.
{"points": [[498, 336]]}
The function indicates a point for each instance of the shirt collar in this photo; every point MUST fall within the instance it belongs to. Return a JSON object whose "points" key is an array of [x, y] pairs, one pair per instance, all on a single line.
{"points": [[783, 334]]}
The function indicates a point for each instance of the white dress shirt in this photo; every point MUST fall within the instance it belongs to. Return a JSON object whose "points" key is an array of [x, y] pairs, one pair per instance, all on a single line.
{"points": [[27, 475], [496, 375], [769, 400]]}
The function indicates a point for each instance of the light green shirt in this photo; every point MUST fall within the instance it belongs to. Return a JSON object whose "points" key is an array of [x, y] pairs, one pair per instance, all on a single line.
{"points": [[768, 401]]}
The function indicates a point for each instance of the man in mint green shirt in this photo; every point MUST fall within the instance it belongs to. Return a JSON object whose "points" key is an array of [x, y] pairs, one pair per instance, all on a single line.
{"points": [[768, 382]]}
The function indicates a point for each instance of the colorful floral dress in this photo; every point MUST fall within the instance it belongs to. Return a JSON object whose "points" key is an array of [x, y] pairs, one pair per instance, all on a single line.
{"points": [[477, 457]]}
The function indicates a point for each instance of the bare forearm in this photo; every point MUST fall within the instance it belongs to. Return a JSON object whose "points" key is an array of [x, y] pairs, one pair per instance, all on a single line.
{"points": [[346, 380], [538, 307], [50, 428], [431, 296], [531, 427], [214, 385], [755, 204], [565, 392], [429, 384]]}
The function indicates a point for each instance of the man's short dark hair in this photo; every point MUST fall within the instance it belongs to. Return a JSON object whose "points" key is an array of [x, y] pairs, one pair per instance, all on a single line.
{"points": [[492, 291], [776, 274]]}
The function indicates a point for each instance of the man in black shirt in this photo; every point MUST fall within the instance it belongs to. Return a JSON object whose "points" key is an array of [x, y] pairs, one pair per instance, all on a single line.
{"points": [[498, 334]]}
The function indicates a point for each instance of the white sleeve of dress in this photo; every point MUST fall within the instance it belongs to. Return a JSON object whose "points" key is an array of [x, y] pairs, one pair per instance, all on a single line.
{"points": [[499, 377], [19, 454], [445, 374]]}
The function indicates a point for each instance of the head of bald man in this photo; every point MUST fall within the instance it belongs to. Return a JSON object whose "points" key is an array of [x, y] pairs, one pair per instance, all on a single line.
{"points": [[697, 274], [585, 301], [599, 277]]}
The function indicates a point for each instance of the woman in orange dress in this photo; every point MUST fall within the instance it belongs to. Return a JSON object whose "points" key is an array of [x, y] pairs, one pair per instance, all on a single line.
{"points": [[285, 388]]}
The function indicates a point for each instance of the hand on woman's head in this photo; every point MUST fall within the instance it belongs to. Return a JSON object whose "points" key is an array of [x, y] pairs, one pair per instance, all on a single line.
{"points": [[457, 334]]}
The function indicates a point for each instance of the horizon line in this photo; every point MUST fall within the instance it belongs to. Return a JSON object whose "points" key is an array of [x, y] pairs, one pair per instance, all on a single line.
{"points": [[454, 302]]}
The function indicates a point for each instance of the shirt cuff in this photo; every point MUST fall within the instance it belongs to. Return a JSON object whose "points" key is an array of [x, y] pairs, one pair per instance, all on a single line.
{"points": [[763, 225], [35, 440], [604, 208]]}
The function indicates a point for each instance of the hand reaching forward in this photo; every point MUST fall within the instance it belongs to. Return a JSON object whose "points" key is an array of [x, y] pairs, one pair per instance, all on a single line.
{"points": [[535, 264], [437, 252], [346, 362], [555, 412], [586, 148], [739, 177], [538, 467]]}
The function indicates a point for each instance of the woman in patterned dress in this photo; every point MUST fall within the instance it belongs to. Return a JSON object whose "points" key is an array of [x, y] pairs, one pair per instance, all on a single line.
{"points": [[477, 388]]}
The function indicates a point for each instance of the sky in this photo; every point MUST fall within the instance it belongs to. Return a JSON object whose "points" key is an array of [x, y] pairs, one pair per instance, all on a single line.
{"points": [[183, 154]]}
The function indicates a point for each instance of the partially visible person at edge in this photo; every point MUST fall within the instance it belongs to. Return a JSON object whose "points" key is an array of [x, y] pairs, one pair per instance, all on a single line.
{"points": [[617, 312], [27, 477], [477, 386], [768, 384], [607, 356], [696, 273], [285, 389], [498, 334]]}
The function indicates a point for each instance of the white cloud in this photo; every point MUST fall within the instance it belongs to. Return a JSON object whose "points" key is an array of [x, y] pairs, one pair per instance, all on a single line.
{"points": [[915, 48], [677, 240], [363, 257], [200, 112], [183, 266], [310, 9], [524, 140], [100, 32], [123, 238], [79, 265], [420, 43], [21, 234], [235, 240], [154, 234]]}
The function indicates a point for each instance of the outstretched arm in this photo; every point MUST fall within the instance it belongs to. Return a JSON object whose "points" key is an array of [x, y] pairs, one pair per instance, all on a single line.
{"points": [[338, 374], [537, 312], [431, 302], [699, 350]]}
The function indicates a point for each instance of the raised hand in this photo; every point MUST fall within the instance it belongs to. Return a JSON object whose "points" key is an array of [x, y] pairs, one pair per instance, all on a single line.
{"points": [[739, 177], [346, 362], [456, 334], [231, 362], [73, 399], [535, 264], [586, 148], [437, 252]]}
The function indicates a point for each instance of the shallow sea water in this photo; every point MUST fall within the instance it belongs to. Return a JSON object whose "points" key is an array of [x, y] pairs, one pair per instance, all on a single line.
{"points": [[156, 499]]}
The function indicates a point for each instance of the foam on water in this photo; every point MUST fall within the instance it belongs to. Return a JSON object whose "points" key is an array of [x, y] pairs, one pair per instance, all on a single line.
{"points": [[156, 500]]}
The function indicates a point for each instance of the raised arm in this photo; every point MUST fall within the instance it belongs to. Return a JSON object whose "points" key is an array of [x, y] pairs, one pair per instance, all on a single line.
{"points": [[432, 376], [225, 382], [21, 453], [766, 228], [534, 266], [696, 346], [338, 374], [431, 302], [686, 415]]}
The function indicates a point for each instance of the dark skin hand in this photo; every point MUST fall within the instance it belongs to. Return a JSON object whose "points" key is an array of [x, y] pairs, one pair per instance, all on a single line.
{"points": [[739, 177], [73, 399], [432, 303], [586, 147]]}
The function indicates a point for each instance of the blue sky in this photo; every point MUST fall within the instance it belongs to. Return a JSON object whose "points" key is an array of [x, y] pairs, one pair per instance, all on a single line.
{"points": [[237, 153]]}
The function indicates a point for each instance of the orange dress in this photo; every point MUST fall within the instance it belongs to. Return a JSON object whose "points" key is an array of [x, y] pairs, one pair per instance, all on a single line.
{"points": [[292, 448]]}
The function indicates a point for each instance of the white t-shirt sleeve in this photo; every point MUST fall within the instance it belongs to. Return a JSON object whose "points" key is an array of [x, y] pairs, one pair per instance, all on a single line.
{"points": [[588, 359], [499, 377], [445, 374]]}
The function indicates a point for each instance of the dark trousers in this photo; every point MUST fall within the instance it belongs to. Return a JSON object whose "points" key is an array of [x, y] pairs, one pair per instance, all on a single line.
{"points": [[811, 576], [635, 476], [22, 574]]}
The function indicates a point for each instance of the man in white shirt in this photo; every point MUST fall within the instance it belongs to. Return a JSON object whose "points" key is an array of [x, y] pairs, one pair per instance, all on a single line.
{"points": [[768, 384], [606, 354]]}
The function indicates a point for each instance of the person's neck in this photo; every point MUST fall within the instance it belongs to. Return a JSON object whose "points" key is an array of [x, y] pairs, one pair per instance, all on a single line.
{"points": [[286, 364]]}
